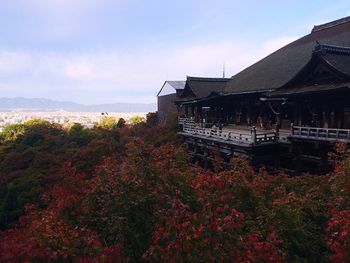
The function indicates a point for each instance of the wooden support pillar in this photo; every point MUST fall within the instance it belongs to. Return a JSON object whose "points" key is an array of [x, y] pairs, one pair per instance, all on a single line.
{"points": [[326, 116], [324, 165], [339, 115], [200, 116], [278, 125], [297, 160], [297, 114], [277, 160], [332, 112], [249, 113], [342, 116], [206, 157], [253, 132], [192, 110]]}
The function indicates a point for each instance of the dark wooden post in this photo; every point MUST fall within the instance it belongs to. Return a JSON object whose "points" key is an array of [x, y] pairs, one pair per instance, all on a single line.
{"points": [[206, 156], [253, 132], [277, 131]]}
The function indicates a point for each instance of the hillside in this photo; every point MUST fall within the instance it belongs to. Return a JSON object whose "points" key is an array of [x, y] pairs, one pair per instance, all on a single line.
{"points": [[39, 104], [128, 194]]}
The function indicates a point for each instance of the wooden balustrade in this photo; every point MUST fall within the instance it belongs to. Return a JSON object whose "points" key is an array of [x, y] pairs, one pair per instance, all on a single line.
{"points": [[254, 137], [227, 135], [183, 120], [266, 137], [320, 133]]}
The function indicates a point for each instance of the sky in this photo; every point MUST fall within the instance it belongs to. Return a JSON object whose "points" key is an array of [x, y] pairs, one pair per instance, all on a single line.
{"points": [[108, 51]]}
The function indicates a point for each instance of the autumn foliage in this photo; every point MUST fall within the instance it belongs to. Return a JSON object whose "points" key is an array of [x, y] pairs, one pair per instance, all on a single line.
{"points": [[125, 195]]}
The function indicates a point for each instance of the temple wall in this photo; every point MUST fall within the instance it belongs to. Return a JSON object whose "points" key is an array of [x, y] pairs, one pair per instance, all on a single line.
{"points": [[166, 106]]}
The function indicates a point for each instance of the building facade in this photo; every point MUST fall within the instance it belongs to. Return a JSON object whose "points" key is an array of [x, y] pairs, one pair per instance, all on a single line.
{"points": [[166, 98], [287, 110]]}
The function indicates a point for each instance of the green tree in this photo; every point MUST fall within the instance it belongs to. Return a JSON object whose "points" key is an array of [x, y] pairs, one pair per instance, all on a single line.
{"points": [[108, 123], [10, 208], [121, 123], [12, 132], [136, 120], [152, 118], [80, 135]]}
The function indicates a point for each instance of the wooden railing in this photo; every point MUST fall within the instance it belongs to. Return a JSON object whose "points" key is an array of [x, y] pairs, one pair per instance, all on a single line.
{"points": [[320, 133], [183, 120], [227, 135], [265, 137]]}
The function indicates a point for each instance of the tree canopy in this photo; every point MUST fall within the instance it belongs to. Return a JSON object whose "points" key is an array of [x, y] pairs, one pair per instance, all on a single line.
{"points": [[129, 194]]}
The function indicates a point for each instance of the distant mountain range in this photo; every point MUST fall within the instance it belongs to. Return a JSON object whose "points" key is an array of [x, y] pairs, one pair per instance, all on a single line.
{"points": [[38, 104]]}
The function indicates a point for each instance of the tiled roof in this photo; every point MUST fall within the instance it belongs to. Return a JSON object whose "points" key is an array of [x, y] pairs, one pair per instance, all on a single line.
{"points": [[279, 67], [176, 85], [204, 87], [335, 60], [331, 24]]}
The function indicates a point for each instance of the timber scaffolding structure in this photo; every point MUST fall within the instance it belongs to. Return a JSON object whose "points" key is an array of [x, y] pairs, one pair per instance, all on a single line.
{"points": [[282, 150], [284, 112]]}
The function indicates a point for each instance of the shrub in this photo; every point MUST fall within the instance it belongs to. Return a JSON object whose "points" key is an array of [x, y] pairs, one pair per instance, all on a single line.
{"points": [[108, 123], [136, 120], [121, 123]]}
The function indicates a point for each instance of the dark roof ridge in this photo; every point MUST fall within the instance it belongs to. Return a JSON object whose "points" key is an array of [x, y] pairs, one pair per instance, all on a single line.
{"points": [[331, 49], [207, 79], [330, 24]]}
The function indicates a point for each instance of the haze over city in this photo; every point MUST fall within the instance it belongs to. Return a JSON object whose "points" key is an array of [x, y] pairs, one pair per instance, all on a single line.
{"points": [[105, 51]]}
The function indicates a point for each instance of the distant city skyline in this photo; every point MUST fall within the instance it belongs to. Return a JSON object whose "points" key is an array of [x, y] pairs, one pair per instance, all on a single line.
{"points": [[108, 51], [64, 118]]}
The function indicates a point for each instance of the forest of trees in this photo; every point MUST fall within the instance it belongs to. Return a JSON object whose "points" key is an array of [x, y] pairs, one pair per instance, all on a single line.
{"points": [[127, 193]]}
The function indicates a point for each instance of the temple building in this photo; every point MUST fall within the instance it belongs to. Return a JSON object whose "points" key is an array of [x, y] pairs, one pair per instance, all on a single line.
{"points": [[196, 91], [318, 95], [166, 99], [285, 111]]}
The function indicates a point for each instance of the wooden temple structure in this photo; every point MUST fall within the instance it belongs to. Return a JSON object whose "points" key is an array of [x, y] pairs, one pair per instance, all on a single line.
{"points": [[285, 111], [166, 99]]}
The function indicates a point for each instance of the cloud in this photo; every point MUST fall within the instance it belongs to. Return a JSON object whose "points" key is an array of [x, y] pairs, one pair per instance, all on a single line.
{"points": [[11, 62], [58, 19], [105, 76], [63, 8]]}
